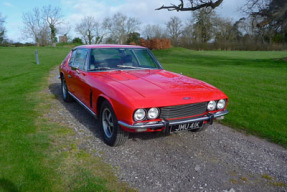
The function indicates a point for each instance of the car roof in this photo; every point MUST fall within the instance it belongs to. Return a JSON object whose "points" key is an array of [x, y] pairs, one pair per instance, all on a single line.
{"points": [[108, 46]]}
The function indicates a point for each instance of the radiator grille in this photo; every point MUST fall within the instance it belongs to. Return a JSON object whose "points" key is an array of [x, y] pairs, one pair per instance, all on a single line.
{"points": [[183, 110]]}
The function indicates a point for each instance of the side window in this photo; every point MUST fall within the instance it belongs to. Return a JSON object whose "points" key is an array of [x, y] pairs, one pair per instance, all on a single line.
{"points": [[72, 58], [78, 58]]}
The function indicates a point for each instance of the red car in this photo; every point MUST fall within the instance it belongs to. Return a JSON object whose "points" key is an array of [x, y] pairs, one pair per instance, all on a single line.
{"points": [[129, 91]]}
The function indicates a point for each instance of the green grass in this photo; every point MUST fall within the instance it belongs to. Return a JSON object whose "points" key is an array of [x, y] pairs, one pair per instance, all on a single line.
{"points": [[30, 146], [255, 82]]}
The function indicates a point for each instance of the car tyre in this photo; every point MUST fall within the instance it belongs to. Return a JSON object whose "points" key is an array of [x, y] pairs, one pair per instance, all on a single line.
{"points": [[65, 92], [113, 134]]}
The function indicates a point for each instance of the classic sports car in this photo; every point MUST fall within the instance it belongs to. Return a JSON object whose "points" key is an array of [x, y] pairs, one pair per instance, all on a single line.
{"points": [[127, 89]]}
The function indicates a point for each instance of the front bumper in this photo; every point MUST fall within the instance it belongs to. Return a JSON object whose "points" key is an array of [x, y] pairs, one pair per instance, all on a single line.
{"points": [[165, 123]]}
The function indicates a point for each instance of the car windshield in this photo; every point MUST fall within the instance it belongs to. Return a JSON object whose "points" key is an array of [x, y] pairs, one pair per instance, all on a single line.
{"points": [[102, 59]]}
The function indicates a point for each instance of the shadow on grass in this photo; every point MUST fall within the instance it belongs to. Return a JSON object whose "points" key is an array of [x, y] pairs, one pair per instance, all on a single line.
{"points": [[7, 186], [91, 123]]}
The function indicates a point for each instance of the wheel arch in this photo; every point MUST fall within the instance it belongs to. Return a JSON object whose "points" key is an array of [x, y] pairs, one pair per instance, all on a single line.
{"points": [[99, 103], [61, 75], [121, 109]]}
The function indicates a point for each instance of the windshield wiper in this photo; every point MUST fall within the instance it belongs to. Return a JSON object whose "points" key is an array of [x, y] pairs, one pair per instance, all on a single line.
{"points": [[101, 68], [130, 67]]}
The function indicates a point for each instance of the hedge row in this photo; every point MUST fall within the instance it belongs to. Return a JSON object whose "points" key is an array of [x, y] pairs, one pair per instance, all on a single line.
{"points": [[156, 43]]}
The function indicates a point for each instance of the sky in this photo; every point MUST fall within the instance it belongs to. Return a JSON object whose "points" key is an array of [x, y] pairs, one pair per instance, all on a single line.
{"points": [[74, 10]]}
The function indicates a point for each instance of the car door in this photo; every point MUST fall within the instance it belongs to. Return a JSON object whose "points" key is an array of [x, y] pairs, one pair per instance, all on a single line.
{"points": [[77, 74], [70, 72]]}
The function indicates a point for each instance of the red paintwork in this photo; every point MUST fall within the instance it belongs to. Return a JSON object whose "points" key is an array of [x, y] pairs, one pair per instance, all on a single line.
{"points": [[132, 89]]}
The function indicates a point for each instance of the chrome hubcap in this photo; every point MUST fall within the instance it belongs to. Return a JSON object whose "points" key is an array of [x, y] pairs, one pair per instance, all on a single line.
{"points": [[64, 89], [107, 122]]}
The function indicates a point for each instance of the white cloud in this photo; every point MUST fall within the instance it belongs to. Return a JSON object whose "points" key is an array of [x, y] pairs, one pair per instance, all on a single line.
{"points": [[142, 10], [81, 8], [7, 4]]}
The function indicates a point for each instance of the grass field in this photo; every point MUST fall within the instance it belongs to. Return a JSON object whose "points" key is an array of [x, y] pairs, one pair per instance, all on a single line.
{"points": [[255, 82], [29, 145], [29, 159]]}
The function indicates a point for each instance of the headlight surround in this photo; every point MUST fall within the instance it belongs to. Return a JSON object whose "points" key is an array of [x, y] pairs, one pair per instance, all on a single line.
{"points": [[221, 104], [211, 106], [153, 113], [139, 114]]}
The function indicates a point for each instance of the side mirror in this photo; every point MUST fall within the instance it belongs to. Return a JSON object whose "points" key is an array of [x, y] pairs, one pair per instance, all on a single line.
{"points": [[75, 67]]}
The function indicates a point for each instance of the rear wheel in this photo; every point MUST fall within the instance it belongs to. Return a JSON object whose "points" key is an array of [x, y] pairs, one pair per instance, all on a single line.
{"points": [[65, 92], [113, 135]]}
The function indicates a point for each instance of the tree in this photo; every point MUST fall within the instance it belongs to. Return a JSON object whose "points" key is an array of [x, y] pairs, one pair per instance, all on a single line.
{"points": [[271, 16], [224, 30], [192, 5], [187, 34], [35, 27], [119, 26], [154, 31], [206, 26], [174, 29], [90, 30], [77, 40], [203, 25], [272, 12], [41, 24], [53, 17], [64, 30], [2, 29], [133, 37]]}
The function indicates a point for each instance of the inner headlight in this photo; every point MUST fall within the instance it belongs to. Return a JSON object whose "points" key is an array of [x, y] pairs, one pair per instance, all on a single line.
{"points": [[221, 104], [139, 114], [211, 106], [152, 113]]}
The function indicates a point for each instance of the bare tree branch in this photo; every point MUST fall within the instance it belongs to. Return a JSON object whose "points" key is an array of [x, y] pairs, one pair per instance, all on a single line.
{"points": [[90, 30], [35, 27], [119, 26], [174, 28], [194, 5], [272, 14]]}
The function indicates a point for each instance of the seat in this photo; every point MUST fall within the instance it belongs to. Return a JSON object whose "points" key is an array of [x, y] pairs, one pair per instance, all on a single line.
{"points": [[113, 63], [128, 60]]}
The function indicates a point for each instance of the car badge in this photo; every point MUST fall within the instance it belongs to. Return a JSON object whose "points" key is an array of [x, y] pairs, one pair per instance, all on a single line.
{"points": [[186, 98]]}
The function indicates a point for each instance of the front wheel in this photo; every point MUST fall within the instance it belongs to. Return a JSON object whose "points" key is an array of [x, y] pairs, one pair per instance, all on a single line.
{"points": [[113, 135], [65, 93]]}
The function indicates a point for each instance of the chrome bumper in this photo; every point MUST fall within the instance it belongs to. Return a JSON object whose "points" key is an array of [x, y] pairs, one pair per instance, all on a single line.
{"points": [[165, 123]]}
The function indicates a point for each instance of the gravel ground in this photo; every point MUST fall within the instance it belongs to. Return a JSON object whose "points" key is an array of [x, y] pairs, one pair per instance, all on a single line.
{"points": [[217, 159]]}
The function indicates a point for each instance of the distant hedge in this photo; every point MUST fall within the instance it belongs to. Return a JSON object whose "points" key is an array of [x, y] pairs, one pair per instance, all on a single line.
{"points": [[156, 43]]}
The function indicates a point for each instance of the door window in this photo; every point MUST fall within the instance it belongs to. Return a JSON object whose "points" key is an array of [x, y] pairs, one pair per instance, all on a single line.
{"points": [[78, 58]]}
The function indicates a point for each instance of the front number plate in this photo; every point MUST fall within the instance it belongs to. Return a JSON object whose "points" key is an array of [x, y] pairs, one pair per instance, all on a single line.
{"points": [[186, 126]]}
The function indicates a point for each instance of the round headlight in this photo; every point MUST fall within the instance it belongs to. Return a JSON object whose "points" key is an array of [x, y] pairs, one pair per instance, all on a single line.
{"points": [[152, 113], [139, 114], [211, 106], [221, 104]]}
